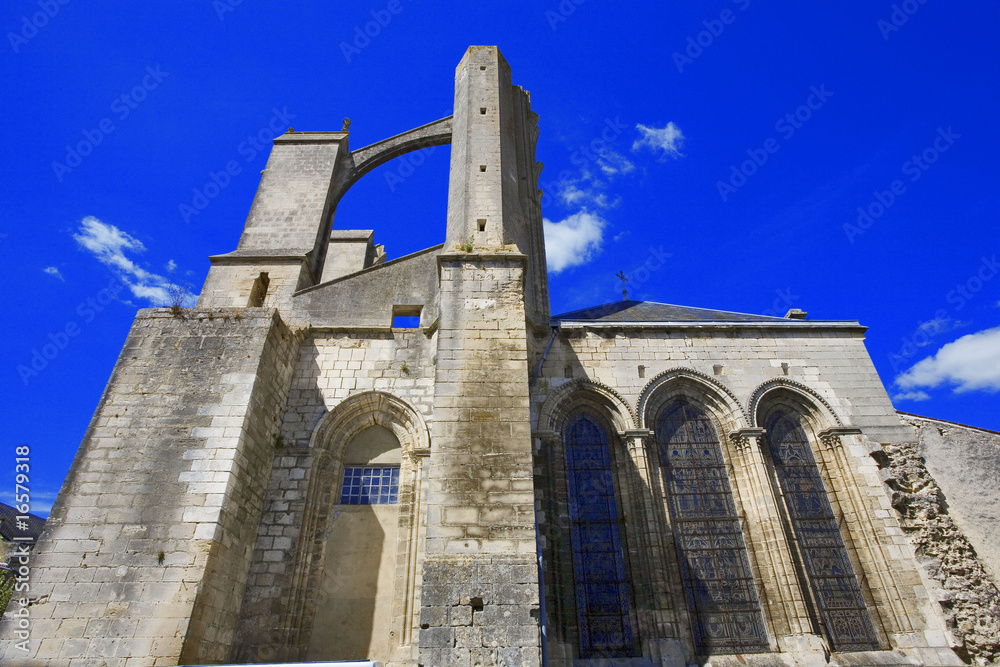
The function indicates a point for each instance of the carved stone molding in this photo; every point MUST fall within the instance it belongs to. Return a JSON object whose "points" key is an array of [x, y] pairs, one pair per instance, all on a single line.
{"points": [[744, 438], [831, 437]]}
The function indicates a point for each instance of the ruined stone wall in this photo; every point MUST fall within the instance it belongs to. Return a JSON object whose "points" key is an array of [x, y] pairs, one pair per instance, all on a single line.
{"points": [[954, 564], [146, 549], [965, 464]]}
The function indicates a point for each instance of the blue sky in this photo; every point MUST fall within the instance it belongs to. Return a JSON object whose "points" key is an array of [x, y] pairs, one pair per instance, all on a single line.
{"points": [[837, 157]]}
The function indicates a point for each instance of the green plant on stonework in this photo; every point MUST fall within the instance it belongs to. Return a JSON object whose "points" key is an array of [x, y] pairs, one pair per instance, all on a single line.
{"points": [[405, 369], [6, 589], [177, 295], [468, 245], [160, 558]]}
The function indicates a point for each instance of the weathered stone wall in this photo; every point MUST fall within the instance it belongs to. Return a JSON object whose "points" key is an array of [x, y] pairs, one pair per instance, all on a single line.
{"points": [[831, 361], [964, 589], [731, 368], [965, 464], [278, 608], [478, 602], [955, 564], [230, 282], [147, 545], [366, 299], [295, 197]]}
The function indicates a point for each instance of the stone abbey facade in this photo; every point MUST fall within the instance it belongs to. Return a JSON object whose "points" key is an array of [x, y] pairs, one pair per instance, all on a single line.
{"points": [[281, 474]]}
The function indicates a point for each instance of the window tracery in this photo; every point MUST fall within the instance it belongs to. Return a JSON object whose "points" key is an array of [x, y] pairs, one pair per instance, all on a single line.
{"points": [[715, 568]]}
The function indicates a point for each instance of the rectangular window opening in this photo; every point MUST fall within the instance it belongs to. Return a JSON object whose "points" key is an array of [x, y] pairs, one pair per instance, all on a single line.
{"points": [[370, 485], [406, 317], [482, 167], [482, 111], [482, 224]]}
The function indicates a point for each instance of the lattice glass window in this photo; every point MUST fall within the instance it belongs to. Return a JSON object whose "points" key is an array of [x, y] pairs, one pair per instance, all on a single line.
{"points": [[715, 568], [838, 594], [604, 601], [370, 485]]}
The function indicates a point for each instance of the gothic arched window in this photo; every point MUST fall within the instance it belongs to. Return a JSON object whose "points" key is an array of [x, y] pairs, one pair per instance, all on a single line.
{"points": [[604, 601], [715, 568], [838, 594]]}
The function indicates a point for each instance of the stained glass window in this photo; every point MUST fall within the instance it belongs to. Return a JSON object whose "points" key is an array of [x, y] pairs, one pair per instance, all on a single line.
{"points": [[603, 591], [370, 485], [838, 594], [715, 568]]}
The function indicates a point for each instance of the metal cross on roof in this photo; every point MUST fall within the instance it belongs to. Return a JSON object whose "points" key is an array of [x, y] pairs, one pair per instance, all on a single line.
{"points": [[621, 277]]}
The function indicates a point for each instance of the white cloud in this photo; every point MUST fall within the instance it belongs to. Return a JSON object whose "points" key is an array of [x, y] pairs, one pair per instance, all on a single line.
{"points": [[54, 272], [912, 396], [971, 362], [170, 266], [668, 139], [573, 241], [585, 191], [613, 163], [109, 245]]}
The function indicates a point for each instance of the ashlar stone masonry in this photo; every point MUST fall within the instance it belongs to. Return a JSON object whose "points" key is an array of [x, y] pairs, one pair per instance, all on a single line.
{"points": [[280, 474]]}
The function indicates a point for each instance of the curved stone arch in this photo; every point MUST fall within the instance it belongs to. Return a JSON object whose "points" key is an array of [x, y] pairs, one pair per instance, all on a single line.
{"points": [[806, 401], [327, 445], [564, 399], [370, 408], [364, 160], [701, 389]]}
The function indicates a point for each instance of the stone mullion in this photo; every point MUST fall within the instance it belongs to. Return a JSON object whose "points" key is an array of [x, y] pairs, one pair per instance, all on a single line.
{"points": [[662, 616], [768, 540], [845, 512], [885, 594], [740, 470], [406, 608]]}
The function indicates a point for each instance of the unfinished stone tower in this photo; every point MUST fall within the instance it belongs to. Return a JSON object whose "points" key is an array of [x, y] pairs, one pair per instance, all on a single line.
{"points": [[280, 474]]}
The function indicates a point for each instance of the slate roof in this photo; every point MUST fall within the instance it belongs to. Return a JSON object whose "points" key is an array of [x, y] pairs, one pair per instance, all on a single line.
{"points": [[650, 311], [8, 524]]}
